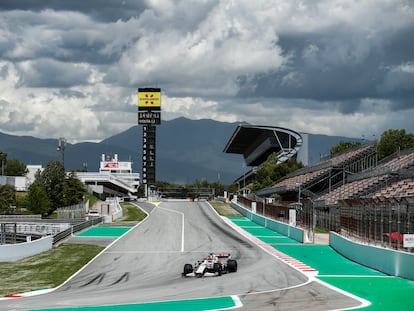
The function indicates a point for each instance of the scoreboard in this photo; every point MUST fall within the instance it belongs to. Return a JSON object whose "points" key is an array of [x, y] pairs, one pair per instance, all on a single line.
{"points": [[149, 115]]}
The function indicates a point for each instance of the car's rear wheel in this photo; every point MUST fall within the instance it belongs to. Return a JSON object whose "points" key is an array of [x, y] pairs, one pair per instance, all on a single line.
{"points": [[232, 265]]}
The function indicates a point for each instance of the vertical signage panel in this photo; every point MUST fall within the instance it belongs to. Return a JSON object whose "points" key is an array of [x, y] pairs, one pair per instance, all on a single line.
{"points": [[149, 115]]}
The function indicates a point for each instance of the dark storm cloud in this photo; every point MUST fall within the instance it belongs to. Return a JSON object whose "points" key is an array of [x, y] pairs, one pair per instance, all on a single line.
{"points": [[266, 62], [82, 45], [397, 84], [335, 66], [403, 104], [63, 37], [101, 10], [399, 44], [49, 73]]}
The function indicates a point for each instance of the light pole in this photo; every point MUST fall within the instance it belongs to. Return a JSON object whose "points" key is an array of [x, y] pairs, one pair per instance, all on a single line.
{"points": [[298, 185], [244, 179], [313, 221], [61, 147]]}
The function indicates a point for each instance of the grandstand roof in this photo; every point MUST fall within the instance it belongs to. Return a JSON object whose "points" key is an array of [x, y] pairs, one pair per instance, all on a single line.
{"points": [[257, 142]]}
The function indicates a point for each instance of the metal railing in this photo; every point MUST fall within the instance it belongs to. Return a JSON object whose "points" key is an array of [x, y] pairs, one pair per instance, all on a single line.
{"points": [[11, 238], [76, 228]]}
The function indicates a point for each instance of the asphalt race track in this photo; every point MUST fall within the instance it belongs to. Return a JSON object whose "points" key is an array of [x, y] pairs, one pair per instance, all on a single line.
{"points": [[145, 265]]}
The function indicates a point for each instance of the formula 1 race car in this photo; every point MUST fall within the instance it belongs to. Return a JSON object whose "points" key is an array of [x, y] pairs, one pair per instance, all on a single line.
{"points": [[211, 265]]}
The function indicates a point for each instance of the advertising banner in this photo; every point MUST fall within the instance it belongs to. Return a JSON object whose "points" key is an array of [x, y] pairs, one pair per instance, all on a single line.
{"points": [[408, 240], [254, 207], [292, 217]]}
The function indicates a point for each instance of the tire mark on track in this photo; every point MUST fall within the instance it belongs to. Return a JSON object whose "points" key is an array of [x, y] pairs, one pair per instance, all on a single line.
{"points": [[98, 279], [225, 229]]}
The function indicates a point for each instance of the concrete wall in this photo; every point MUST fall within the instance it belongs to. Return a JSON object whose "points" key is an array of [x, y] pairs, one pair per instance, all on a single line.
{"points": [[281, 227], [389, 261], [12, 252]]}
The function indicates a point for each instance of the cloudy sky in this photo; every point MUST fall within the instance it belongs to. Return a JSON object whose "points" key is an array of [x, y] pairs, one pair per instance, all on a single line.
{"points": [[336, 67]]}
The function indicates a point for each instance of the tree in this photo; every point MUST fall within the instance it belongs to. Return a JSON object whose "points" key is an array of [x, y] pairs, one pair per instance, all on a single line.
{"points": [[394, 140], [343, 146], [201, 183], [141, 191], [14, 167], [11, 167], [218, 187], [270, 172], [52, 179], [7, 198], [37, 200], [73, 190]]}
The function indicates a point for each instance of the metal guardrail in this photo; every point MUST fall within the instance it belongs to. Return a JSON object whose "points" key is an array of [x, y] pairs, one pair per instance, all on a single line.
{"points": [[20, 217], [11, 238], [76, 228]]}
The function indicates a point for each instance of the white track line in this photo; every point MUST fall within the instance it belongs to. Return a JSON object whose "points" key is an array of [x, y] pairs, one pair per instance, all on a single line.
{"points": [[305, 269], [296, 264], [182, 226]]}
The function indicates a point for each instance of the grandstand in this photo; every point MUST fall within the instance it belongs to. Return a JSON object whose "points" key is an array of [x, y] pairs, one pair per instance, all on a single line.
{"points": [[352, 174], [351, 193], [326, 175], [400, 188], [353, 189], [370, 182], [256, 143]]}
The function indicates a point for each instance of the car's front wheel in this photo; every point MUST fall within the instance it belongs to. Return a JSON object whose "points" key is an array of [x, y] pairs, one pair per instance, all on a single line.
{"points": [[188, 268]]}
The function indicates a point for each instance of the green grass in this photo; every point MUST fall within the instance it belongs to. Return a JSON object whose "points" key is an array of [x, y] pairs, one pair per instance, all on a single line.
{"points": [[92, 199], [52, 268], [321, 230], [46, 270], [131, 212], [224, 209]]}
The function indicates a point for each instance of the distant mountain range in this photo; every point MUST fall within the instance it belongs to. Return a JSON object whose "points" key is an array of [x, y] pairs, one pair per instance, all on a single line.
{"points": [[187, 150]]}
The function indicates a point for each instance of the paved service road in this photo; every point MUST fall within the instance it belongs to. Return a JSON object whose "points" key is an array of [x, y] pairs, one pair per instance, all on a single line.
{"points": [[145, 265]]}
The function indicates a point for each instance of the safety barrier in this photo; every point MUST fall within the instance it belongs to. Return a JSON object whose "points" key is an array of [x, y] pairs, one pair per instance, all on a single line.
{"points": [[76, 228], [392, 262], [20, 217], [389, 261], [294, 233], [12, 252]]}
